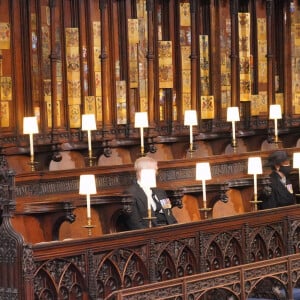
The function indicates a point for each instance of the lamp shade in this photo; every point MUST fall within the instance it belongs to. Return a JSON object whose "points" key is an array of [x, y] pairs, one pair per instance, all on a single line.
{"points": [[233, 114], [148, 178], [88, 122], [190, 118], [275, 111], [141, 120], [296, 160], [87, 184], [30, 125], [254, 165], [203, 171]]}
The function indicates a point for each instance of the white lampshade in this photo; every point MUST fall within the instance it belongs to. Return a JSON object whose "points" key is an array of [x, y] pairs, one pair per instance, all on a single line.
{"points": [[148, 178], [88, 122], [296, 160], [141, 120], [190, 118], [203, 171], [254, 165], [275, 111], [30, 125], [87, 185], [233, 114]]}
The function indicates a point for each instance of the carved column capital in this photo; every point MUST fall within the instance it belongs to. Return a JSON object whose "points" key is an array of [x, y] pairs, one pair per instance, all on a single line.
{"points": [[102, 4], [52, 3], [269, 7], [193, 7], [233, 7], [149, 5]]}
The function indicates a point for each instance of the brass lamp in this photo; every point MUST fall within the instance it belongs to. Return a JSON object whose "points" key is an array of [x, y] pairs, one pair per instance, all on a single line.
{"points": [[148, 181], [233, 116], [255, 168], [88, 123], [203, 173], [190, 119], [275, 114], [87, 186], [141, 121], [30, 126]]}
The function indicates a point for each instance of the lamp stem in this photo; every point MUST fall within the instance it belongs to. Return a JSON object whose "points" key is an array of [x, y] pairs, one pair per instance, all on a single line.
{"points": [[149, 216], [233, 131], [255, 184], [255, 191], [276, 130], [31, 147], [204, 193], [89, 226], [191, 137], [89, 143], [142, 140], [88, 205]]}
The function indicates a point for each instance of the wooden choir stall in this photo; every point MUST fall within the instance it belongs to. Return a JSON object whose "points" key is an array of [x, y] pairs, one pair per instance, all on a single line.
{"points": [[89, 86]]}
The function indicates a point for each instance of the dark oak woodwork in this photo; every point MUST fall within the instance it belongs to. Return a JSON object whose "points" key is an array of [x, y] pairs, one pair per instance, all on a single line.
{"points": [[253, 281], [50, 198], [45, 250], [98, 266], [29, 68], [129, 259]]}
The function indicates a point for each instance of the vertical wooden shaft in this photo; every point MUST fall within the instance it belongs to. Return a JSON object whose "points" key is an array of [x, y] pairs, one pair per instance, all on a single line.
{"points": [[194, 41], [234, 53], [270, 52], [107, 109], [53, 64], [150, 60]]}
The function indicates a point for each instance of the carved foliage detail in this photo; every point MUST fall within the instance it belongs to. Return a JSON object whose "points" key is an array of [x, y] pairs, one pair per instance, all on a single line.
{"points": [[195, 289], [28, 264], [8, 248]]}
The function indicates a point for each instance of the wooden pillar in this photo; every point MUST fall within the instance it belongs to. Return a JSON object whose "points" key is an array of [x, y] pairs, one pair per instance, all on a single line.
{"points": [[270, 51], [287, 61], [150, 60], [215, 57], [20, 64], [53, 64], [194, 41], [107, 109], [235, 78], [13, 279]]}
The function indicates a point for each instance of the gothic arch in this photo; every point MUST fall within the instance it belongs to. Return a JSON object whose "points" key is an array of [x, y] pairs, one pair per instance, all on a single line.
{"points": [[258, 249], [218, 293], [270, 288], [121, 267], [57, 278], [186, 262], [165, 267]]}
